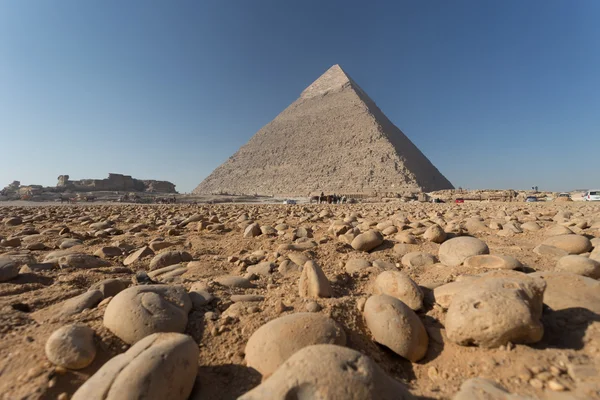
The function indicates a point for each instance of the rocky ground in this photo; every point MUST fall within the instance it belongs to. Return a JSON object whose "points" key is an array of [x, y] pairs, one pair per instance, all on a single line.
{"points": [[367, 301]]}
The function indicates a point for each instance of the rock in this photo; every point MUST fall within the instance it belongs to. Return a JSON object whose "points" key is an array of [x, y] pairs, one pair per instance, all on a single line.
{"points": [[13, 221], [110, 287], [572, 244], [252, 230], [138, 255], [544, 250], [297, 246], [484, 389], [140, 311], [200, 295], [274, 342], [444, 294], [80, 260], [263, 268], [71, 346], [313, 306], [492, 262], [11, 242], [313, 282], [399, 285], [160, 366], [435, 234], [367, 241], [405, 238], [243, 298], [298, 258], [530, 226], [495, 310], [166, 274], [288, 267], [568, 291], [328, 372], [417, 259], [169, 258], [557, 230], [68, 243], [108, 252], [455, 251], [79, 303], [357, 264], [579, 265], [160, 245], [8, 269], [394, 325], [234, 281]]}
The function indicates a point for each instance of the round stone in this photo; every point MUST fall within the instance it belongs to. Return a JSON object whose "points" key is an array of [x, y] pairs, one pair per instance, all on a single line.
{"points": [[140, 311], [71, 346], [326, 371], [274, 342], [455, 251], [394, 325], [579, 265], [399, 285], [488, 261], [496, 309], [416, 259], [367, 241], [8, 269], [435, 234], [160, 366], [572, 244]]}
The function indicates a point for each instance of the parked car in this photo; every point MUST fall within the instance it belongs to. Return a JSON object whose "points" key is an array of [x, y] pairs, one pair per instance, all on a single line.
{"points": [[592, 195], [288, 201], [457, 201], [531, 199], [437, 201]]}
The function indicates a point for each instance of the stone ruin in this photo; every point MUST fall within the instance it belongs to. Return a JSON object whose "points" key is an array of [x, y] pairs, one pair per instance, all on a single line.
{"points": [[115, 182]]}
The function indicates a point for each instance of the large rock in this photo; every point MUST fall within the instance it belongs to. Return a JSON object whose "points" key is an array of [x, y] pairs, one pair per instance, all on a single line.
{"points": [[399, 285], [572, 244], [416, 259], [169, 258], [8, 269], [160, 366], [435, 234], [495, 310], [138, 255], [444, 294], [80, 260], [356, 265], [82, 302], [313, 282], [455, 251], [367, 241], [488, 261], [140, 311], [327, 371], [274, 342], [71, 346], [110, 287], [394, 325], [565, 290], [579, 265]]}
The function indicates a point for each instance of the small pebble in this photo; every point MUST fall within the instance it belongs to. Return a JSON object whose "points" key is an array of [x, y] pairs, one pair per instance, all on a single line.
{"points": [[536, 383], [556, 386]]}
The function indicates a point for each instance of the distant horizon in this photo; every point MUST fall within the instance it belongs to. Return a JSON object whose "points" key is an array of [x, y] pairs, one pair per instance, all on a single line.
{"points": [[491, 92]]}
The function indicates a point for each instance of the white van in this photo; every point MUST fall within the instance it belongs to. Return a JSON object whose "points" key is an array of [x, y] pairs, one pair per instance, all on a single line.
{"points": [[592, 195]]}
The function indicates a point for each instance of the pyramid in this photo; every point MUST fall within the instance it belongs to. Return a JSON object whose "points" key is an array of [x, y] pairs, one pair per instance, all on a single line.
{"points": [[332, 139]]}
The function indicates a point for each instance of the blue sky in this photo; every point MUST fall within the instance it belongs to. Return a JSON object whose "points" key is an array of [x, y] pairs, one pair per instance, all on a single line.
{"points": [[498, 94]]}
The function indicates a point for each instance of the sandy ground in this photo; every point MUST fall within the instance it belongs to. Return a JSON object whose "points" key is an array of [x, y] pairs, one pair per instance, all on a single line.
{"points": [[29, 302]]}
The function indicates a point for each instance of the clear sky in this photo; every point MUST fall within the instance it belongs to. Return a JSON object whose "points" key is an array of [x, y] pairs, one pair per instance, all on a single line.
{"points": [[498, 94]]}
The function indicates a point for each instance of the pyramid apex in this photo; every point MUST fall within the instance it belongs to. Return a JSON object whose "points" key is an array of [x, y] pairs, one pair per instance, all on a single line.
{"points": [[334, 78]]}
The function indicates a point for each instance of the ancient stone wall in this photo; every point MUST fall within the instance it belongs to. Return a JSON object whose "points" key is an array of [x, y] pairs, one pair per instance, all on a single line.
{"points": [[115, 182]]}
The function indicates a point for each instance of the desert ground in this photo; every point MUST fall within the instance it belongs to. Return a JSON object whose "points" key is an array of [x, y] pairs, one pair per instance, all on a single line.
{"points": [[362, 301]]}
